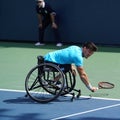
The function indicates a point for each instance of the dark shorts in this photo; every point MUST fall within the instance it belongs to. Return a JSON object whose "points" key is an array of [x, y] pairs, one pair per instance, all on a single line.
{"points": [[64, 67]]}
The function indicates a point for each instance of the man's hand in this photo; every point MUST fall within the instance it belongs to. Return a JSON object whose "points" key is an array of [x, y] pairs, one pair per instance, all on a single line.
{"points": [[40, 25], [94, 89], [54, 25]]}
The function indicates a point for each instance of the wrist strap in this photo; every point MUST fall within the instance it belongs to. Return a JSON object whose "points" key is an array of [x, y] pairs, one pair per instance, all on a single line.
{"points": [[89, 86]]}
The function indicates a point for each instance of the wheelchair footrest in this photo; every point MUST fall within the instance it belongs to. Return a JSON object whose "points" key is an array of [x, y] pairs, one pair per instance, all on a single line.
{"points": [[79, 94], [75, 96]]}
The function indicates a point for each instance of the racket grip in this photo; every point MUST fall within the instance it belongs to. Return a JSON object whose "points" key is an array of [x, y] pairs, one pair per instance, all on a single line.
{"points": [[97, 88]]}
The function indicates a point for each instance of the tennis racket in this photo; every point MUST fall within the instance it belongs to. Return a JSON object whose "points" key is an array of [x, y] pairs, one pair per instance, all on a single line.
{"points": [[105, 85]]}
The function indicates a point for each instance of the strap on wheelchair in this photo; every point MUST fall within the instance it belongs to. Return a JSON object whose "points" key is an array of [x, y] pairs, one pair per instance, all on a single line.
{"points": [[40, 59]]}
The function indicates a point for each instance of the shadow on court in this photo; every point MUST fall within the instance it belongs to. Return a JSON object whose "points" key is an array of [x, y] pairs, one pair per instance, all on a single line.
{"points": [[20, 100], [27, 100]]}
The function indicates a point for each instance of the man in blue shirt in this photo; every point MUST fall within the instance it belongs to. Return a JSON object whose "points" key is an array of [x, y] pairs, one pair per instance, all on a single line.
{"points": [[65, 58]]}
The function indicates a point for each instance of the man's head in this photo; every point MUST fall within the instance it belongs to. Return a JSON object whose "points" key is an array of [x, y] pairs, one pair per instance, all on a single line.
{"points": [[88, 49], [40, 2]]}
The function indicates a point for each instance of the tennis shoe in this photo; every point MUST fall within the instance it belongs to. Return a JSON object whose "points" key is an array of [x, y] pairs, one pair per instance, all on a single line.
{"points": [[59, 44], [39, 44]]}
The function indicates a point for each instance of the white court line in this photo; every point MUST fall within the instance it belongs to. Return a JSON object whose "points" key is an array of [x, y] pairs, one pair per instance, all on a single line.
{"points": [[81, 113], [10, 90]]}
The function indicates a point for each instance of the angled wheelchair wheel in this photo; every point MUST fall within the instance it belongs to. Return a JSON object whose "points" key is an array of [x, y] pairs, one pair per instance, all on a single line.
{"points": [[44, 82], [70, 82]]}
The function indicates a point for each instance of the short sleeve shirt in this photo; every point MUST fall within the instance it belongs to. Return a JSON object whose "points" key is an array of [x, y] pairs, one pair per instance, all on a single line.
{"points": [[46, 11], [69, 55]]}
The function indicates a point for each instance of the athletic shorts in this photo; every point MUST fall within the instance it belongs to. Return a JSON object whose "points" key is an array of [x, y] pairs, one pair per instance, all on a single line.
{"points": [[64, 67]]}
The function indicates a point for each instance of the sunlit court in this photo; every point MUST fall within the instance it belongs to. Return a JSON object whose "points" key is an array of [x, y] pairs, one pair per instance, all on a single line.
{"points": [[59, 60]]}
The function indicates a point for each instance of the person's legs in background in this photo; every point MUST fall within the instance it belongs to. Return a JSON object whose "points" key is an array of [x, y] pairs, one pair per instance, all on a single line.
{"points": [[57, 37], [45, 23]]}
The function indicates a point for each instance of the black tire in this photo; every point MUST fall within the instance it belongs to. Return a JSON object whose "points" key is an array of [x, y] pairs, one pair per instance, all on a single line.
{"points": [[40, 82]]}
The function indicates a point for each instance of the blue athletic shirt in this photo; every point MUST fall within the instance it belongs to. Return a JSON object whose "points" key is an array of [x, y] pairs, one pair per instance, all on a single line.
{"points": [[69, 55]]}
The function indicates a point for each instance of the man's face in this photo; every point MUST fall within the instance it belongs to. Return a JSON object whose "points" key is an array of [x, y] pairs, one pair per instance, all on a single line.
{"points": [[87, 52], [40, 3]]}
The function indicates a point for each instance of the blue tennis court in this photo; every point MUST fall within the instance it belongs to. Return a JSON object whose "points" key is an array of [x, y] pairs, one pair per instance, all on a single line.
{"points": [[15, 106]]}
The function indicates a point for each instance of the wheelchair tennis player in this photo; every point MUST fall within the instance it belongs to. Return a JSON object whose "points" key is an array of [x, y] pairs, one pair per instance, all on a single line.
{"points": [[72, 58]]}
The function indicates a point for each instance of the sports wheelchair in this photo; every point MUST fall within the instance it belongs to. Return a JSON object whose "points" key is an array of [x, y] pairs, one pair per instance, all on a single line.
{"points": [[46, 81]]}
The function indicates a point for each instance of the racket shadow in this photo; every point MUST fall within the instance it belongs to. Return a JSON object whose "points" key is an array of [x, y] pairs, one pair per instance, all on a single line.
{"points": [[99, 94]]}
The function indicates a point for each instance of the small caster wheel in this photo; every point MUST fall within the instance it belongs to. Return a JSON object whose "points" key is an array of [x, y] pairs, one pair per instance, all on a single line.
{"points": [[73, 96], [79, 94]]}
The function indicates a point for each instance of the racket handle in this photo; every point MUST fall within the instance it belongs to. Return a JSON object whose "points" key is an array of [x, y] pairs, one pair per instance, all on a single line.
{"points": [[97, 88]]}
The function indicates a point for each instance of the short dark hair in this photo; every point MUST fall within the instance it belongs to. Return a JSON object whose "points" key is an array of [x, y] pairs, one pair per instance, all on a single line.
{"points": [[90, 45]]}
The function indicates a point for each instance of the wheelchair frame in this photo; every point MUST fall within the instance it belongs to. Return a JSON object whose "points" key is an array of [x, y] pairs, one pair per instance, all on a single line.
{"points": [[46, 81]]}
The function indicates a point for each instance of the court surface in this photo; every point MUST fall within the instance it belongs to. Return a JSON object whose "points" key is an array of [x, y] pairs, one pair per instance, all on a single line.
{"points": [[18, 58], [14, 106]]}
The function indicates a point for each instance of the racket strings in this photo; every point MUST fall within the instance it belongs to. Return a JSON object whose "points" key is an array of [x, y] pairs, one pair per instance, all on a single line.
{"points": [[106, 85]]}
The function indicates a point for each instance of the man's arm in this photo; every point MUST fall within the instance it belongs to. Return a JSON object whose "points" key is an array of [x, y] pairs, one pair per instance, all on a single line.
{"points": [[52, 15], [85, 79]]}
